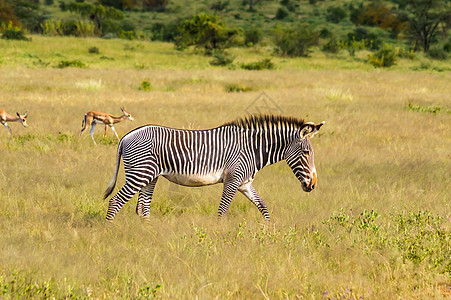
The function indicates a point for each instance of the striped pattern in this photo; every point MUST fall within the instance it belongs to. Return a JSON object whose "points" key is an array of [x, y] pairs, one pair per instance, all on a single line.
{"points": [[231, 154]]}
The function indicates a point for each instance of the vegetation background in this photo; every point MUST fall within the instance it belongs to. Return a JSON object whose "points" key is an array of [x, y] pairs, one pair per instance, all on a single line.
{"points": [[377, 226]]}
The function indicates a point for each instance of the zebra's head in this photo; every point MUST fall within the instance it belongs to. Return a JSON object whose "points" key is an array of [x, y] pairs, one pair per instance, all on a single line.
{"points": [[126, 114], [23, 119], [299, 156]]}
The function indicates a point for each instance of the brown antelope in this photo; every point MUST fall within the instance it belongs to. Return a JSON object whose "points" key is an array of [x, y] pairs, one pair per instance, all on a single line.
{"points": [[93, 118], [5, 117]]}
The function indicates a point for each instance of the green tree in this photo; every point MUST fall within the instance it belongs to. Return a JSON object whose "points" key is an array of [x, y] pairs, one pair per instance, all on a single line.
{"points": [[24, 13], [295, 41], [205, 31], [424, 18], [7, 13]]}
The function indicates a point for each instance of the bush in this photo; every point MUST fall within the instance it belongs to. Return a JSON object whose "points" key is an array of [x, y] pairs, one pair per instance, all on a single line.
{"points": [[164, 32], [447, 47], [437, 53], [155, 5], [335, 14], [94, 50], [12, 32], [385, 57], [221, 58], [237, 88], [252, 36], [281, 13], [361, 34], [294, 42], [332, 46], [69, 27], [71, 63], [264, 64], [145, 86], [324, 33]]}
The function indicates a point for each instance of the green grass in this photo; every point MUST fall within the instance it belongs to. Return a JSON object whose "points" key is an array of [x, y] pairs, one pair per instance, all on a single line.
{"points": [[377, 226]]}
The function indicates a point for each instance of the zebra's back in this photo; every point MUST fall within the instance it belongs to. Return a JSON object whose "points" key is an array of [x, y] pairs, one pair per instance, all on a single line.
{"points": [[186, 157]]}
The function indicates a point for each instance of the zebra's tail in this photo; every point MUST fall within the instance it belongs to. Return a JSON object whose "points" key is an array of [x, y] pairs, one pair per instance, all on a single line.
{"points": [[112, 184]]}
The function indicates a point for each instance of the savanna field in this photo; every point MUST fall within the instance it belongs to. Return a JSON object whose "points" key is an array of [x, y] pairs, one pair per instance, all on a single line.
{"points": [[377, 226]]}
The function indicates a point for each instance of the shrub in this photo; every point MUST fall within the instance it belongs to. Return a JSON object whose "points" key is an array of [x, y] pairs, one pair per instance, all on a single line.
{"points": [[155, 5], [12, 32], [447, 47], [128, 35], [264, 64], [234, 88], [48, 2], [324, 33], [252, 36], [221, 58], [335, 14], [385, 57], [94, 50], [62, 5], [433, 109], [331, 46], [294, 42], [69, 27], [437, 53], [281, 13], [145, 86], [71, 63], [164, 32], [361, 34]]}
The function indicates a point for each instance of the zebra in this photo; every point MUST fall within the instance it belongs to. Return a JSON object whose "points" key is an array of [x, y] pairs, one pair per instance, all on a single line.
{"points": [[231, 154]]}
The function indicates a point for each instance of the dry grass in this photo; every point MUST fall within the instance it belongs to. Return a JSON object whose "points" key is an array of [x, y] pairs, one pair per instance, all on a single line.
{"points": [[374, 154]]}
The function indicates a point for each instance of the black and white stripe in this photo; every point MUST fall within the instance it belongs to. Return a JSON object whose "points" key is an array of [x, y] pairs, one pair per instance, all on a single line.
{"points": [[231, 154]]}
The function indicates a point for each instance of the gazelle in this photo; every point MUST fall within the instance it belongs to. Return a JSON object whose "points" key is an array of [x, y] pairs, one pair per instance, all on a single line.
{"points": [[93, 118], [5, 117]]}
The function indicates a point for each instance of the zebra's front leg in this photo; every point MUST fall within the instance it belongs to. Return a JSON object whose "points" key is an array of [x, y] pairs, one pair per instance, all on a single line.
{"points": [[144, 199], [249, 191], [229, 191]]}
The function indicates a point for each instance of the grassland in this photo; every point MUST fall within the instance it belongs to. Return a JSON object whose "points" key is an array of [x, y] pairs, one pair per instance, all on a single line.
{"points": [[377, 227]]}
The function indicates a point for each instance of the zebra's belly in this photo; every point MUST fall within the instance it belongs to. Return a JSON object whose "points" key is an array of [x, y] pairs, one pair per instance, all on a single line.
{"points": [[195, 179]]}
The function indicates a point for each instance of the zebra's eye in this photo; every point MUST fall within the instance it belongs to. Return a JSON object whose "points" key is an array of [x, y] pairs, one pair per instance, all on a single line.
{"points": [[305, 151]]}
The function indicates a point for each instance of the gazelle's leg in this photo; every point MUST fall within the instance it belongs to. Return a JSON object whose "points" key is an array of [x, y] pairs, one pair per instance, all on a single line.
{"points": [[112, 128], [93, 125], [83, 126], [104, 135], [145, 198], [249, 191], [6, 125]]}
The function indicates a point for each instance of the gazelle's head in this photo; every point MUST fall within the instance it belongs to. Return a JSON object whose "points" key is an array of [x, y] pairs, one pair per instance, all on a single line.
{"points": [[126, 114], [23, 119], [300, 158]]}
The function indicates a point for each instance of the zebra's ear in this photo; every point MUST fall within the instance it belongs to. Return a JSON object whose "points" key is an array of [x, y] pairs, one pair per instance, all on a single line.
{"points": [[310, 129]]}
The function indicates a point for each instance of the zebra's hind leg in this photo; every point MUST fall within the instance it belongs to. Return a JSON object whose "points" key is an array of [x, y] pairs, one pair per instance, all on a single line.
{"points": [[249, 191], [118, 200], [145, 198]]}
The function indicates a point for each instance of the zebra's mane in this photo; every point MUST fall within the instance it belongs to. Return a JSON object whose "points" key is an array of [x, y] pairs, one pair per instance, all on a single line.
{"points": [[262, 121]]}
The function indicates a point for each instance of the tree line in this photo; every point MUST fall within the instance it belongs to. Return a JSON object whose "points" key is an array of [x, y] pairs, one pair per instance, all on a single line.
{"points": [[423, 22]]}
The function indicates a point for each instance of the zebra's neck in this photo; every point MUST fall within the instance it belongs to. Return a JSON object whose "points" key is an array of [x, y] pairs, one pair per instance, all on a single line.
{"points": [[268, 145]]}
